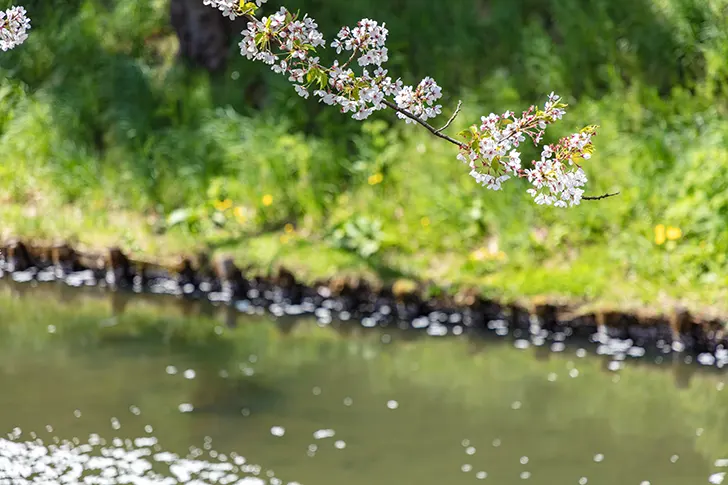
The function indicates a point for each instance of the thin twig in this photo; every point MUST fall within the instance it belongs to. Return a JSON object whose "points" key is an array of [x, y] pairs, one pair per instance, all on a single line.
{"points": [[351, 58], [599, 197], [452, 118], [422, 122]]}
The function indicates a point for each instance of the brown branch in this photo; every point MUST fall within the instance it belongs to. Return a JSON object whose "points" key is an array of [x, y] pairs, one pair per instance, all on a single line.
{"points": [[600, 197], [422, 122], [351, 58]]}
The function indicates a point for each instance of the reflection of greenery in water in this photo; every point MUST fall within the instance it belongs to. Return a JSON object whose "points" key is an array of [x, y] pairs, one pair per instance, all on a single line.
{"points": [[448, 390]]}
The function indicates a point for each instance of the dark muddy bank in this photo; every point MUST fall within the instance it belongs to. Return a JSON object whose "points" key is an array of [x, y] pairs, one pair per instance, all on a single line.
{"points": [[402, 304]]}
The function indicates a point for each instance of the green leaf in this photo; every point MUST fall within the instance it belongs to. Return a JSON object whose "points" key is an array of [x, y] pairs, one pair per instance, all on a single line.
{"points": [[247, 7], [465, 134]]}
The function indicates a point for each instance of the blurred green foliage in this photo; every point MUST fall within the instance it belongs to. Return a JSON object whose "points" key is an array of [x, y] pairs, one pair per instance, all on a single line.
{"points": [[97, 113]]}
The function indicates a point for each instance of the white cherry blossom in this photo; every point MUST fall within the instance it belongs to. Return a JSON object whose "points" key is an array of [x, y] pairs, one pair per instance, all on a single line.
{"points": [[14, 26]]}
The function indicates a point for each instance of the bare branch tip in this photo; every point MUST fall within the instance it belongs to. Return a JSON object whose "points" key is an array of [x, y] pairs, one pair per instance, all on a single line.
{"points": [[600, 197]]}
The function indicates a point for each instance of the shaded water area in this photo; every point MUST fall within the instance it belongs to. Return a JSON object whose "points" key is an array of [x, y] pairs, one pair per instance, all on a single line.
{"points": [[254, 400]]}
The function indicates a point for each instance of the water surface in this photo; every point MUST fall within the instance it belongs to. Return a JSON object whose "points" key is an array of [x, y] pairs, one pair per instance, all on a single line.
{"points": [[403, 407]]}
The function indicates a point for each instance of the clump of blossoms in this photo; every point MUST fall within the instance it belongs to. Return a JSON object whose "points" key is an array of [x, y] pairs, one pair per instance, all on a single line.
{"points": [[491, 151], [233, 8], [288, 44], [14, 26], [420, 100]]}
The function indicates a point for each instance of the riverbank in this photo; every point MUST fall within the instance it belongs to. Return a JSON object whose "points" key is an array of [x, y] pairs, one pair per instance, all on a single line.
{"points": [[586, 277], [404, 302]]}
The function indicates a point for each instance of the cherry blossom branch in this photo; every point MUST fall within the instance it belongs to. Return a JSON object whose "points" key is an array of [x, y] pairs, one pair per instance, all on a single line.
{"points": [[491, 148], [14, 25], [423, 123]]}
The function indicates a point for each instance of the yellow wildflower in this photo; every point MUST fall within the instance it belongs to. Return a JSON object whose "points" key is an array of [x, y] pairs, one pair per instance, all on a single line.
{"points": [[673, 233], [425, 221], [267, 200], [240, 214], [223, 205], [285, 238], [376, 178], [288, 228], [660, 234]]}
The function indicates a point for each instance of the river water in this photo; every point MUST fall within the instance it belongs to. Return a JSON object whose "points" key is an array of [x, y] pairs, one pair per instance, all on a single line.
{"points": [[101, 388]]}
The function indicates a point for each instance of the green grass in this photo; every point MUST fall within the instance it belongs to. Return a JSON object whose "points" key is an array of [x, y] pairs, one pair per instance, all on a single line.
{"points": [[106, 139]]}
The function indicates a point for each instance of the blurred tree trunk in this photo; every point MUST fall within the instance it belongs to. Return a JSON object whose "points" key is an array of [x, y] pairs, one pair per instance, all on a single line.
{"points": [[204, 34], [204, 40]]}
